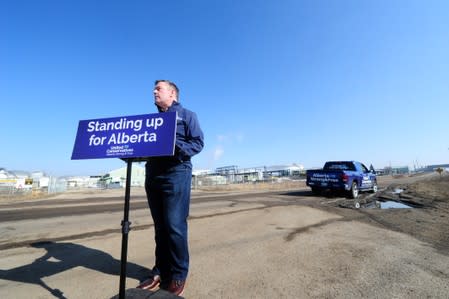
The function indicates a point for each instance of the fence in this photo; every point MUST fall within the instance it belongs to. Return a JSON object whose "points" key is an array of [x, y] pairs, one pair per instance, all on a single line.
{"points": [[10, 189], [208, 182]]}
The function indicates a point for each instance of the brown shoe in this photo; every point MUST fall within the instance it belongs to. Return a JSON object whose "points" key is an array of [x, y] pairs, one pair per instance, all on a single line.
{"points": [[175, 287], [150, 284]]}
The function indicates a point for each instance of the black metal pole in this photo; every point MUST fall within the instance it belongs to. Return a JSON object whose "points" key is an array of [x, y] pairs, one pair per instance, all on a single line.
{"points": [[125, 230]]}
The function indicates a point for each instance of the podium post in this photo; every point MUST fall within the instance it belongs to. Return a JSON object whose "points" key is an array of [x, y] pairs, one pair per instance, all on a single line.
{"points": [[130, 138], [126, 226]]}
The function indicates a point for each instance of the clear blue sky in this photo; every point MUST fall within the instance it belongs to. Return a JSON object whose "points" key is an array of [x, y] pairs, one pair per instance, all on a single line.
{"points": [[272, 82]]}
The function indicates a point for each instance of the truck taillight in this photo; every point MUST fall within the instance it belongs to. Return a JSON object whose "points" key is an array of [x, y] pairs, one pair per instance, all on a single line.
{"points": [[344, 177]]}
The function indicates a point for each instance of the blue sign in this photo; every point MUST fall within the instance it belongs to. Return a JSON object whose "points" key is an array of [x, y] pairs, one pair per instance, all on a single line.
{"points": [[137, 136]]}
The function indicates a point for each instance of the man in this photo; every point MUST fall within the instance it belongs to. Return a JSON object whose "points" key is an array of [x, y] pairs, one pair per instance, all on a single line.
{"points": [[167, 184]]}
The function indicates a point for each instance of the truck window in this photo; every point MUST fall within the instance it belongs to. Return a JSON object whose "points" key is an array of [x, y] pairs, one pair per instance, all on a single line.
{"points": [[364, 168], [339, 166]]}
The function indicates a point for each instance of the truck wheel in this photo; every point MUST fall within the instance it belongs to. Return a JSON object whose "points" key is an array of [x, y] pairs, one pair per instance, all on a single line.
{"points": [[354, 192], [316, 191], [375, 188]]}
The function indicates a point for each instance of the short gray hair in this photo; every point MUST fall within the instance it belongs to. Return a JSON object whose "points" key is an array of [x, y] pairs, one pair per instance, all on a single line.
{"points": [[171, 84]]}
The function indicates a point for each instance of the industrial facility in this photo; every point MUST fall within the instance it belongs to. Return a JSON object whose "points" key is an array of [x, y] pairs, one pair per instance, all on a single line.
{"points": [[19, 182]]}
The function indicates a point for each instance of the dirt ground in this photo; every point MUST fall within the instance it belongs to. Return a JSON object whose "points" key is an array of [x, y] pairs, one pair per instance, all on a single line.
{"points": [[288, 244], [426, 220], [428, 195]]}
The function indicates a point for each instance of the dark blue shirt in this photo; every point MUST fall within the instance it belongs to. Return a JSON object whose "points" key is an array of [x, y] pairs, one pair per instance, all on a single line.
{"points": [[189, 141]]}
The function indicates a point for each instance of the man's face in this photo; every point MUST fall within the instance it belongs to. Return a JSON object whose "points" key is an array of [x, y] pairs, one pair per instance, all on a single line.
{"points": [[164, 95]]}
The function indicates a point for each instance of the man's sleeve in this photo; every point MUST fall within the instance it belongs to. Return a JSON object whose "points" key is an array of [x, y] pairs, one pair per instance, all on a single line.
{"points": [[194, 139]]}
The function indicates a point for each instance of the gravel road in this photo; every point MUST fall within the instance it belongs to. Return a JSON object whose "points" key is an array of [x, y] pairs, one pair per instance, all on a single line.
{"points": [[280, 244]]}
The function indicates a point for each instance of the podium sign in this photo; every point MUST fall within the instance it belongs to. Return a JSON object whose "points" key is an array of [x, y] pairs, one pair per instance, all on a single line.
{"points": [[135, 136]]}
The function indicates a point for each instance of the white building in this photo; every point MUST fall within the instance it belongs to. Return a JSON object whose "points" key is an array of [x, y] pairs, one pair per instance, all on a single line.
{"points": [[117, 177], [4, 174], [40, 179], [15, 179]]}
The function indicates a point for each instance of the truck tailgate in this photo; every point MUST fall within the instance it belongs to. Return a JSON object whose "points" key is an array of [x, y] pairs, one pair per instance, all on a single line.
{"points": [[319, 178]]}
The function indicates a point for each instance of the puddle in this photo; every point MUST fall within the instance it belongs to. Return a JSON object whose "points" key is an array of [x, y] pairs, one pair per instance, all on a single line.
{"points": [[398, 191], [383, 205], [393, 205]]}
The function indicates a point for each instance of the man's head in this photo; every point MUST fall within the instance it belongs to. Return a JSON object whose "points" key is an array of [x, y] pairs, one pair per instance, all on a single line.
{"points": [[165, 93]]}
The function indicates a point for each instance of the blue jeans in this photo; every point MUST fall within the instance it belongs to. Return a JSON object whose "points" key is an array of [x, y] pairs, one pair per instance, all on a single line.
{"points": [[169, 201]]}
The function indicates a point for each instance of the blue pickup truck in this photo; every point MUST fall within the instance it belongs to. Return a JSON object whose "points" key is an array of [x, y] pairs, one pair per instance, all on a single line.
{"points": [[348, 176]]}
